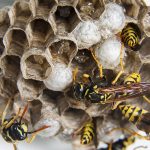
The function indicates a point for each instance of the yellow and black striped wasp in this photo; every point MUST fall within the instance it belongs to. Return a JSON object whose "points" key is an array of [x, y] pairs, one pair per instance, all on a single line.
{"points": [[131, 87], [89, 91], [131, 36], [87, 133], [14, 130], [138, 116]]}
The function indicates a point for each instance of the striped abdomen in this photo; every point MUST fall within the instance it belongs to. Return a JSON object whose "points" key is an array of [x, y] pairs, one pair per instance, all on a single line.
{"points": [[130, 37], [132, 113], [87, 133]]}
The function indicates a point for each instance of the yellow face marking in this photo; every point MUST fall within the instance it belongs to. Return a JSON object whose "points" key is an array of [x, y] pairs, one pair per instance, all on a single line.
{"points": [[24, 127]]}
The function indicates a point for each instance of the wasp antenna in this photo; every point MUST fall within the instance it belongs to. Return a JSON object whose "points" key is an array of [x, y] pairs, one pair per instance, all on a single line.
{"points": [[39, 130], [24, 111]]}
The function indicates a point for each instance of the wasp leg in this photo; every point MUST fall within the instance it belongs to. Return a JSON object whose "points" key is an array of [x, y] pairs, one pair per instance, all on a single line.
{"points": [[98, 63], [5, 111], [110, 146], [12, 121], [146, 99], [115, 105], [75, 71], [86, 77], [121, 64], [14, 146], [24, 111], [34, 134]]}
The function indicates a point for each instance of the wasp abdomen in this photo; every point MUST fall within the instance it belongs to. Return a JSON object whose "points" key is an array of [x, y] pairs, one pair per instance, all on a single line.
{"points": [[87, 133], [130, 36], [132, 113]]}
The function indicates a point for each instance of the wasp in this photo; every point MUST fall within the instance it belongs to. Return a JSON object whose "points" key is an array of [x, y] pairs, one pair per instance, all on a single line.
{"points": [[132, 87], [89, 91], [120, 144], [87, 133], [131, 36], [14, 130], [138, 116]]}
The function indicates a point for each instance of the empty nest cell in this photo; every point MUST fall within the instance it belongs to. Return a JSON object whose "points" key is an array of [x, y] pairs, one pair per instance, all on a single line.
{"points": [[146, 23], [4, 21], [10, 66], [8, 88], [144, 50], [29, 89], [39, 31], [74, 118], [90, 8], [132, 7], [15, 42], [44, 6], [22, 13], [35, 66], [84, 60], [35, 111], [63, 50], [66, 19], [144, 71]]}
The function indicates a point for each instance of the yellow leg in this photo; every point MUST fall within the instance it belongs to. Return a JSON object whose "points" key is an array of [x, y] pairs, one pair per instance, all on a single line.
{"points": [[98, 63], [110, 146], [14, 146], [12, 121], [33, 136], [115, 105], [146, 99], [24, 111], [75, 74], [5, 111], [133, 133], [121, 64]]}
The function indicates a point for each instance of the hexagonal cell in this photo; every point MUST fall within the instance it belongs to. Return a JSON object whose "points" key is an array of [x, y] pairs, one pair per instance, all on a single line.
{"points": [[132, 7], [39, 32], [43, 7], [4, 21], [8, 88], [132, 62], [84, 60], [50, 95], [74, 118], [144, 50], [15, 41], [35, 111], [90, 8], [104, 126], [35, 65], [10, 65], [146, 23], [20, 13], [65, 19], [63, 50], [29, 89], [144, 71], [2, 47]]}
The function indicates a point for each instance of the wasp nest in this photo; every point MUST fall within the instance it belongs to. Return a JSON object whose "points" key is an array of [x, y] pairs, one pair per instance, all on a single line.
{"points": [[41, 44]]}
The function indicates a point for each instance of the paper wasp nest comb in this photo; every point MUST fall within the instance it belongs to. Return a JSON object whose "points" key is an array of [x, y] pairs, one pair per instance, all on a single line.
{"points": [[43, 41]]}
